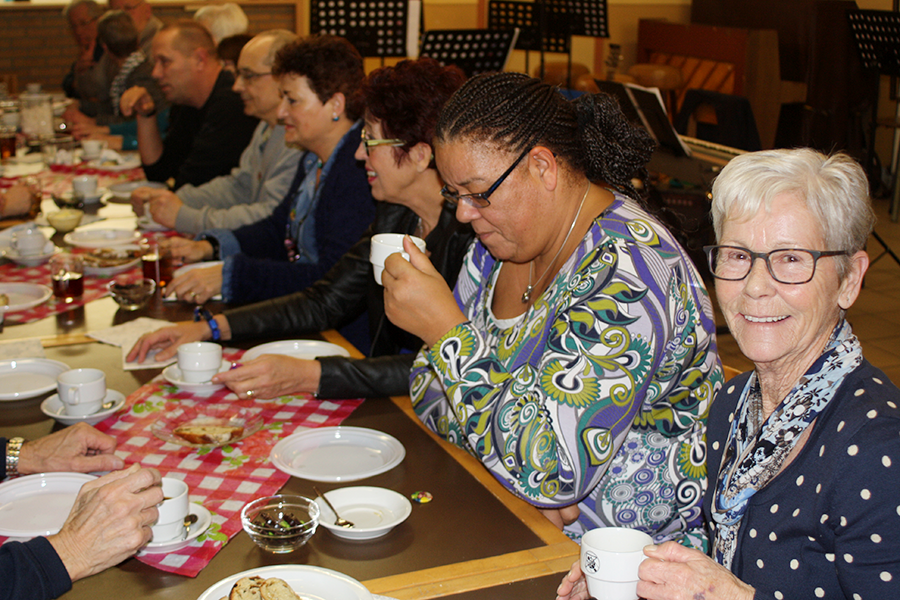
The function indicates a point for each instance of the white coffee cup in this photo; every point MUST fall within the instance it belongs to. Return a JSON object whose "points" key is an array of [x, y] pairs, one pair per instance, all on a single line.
{"points": [[84, 186], [82, 391], [385, 244], [29, 242], [92, 148], [610, 558], [172, 510], [199, 361]]}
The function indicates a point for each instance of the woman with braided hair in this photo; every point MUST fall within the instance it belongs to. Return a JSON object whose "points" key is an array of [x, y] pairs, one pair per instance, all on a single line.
{"points": [[576, 356]]}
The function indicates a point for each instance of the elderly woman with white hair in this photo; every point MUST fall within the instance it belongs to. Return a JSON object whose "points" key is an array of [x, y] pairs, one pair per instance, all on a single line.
{"points": [[804, 494], [223, 20]]}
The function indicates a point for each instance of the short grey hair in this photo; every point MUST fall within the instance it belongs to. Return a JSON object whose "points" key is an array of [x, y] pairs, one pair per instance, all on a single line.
{"points": [[834, 189], [280, 38], [223, 20], [94, 9]]}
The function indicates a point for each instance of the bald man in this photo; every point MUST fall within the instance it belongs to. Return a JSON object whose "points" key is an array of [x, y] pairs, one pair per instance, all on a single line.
{"points": [[208, 129], [255, 187]]}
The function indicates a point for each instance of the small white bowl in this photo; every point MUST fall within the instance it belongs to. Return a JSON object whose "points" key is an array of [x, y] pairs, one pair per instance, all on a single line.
{"points": [[373, 511]]}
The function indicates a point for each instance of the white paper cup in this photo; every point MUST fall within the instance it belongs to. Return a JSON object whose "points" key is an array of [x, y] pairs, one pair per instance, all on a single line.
{"points": [[199, 361], [172, 510], [610, 558], [29, 242], [385, 244], [84, 186], [82, 391], [92, 148]]}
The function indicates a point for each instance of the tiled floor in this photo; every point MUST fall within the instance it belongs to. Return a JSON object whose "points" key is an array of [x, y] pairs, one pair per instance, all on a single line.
{"points": [[876, 315]]}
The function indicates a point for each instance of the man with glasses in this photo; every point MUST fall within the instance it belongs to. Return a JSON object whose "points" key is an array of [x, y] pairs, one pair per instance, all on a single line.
{"points": [[208, 129], [257, 185]]}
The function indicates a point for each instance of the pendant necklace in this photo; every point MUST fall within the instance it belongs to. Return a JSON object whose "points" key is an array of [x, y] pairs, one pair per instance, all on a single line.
{"points": [[526, 296]]}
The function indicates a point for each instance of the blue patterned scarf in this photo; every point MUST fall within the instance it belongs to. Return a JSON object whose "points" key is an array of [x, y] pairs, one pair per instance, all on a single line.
{"points": [[752, 459]]}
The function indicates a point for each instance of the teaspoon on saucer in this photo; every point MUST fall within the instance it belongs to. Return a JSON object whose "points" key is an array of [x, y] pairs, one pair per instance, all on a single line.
{"points": [[339, 521]]}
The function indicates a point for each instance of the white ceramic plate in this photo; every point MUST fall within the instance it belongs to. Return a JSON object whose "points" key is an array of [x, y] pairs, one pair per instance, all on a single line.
{"points": [[24, 295], [310, 583], [32, 260], [29, 377], [204, 520], [374, 511], [38, 504], [55, 409], [101, 238], [123, 191], [336, 454], [128, 162], [306, 349], [173, 375], [110, 271], [206, 414]]}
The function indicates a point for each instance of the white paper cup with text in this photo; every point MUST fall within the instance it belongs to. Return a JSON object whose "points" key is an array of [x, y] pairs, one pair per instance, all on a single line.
{"points": [[82, 391], [610, 558], [385, 244], [199, 361], [172, 510]]}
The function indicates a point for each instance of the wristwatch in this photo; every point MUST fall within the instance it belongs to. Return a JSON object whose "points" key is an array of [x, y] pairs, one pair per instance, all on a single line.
{"points": [[13, 447]]}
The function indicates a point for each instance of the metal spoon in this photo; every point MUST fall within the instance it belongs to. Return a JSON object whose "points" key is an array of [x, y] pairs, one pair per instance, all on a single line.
{"points": [[339, 521], [188, 521]]}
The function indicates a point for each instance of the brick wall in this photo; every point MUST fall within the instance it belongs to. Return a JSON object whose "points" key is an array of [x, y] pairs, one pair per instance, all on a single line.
{"points": [[36, 46]]}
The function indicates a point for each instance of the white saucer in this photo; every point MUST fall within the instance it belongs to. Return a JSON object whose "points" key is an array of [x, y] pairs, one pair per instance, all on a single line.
{"points": [[32, 260], [55, 409], [204, 520], [173, 375]]}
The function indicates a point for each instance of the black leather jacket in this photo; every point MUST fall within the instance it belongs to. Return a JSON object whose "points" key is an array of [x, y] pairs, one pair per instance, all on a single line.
{"points": [[346, 291]]}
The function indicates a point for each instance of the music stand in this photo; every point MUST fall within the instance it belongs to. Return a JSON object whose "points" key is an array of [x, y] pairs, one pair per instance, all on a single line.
{"points": [[376, 29], [474, 51], [531, 20], [877, 36]]}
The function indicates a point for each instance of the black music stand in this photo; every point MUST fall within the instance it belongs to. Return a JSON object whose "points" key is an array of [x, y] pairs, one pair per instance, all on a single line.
{"points": [[535, 31], [474, 51], [877, 35], [376, 29]]}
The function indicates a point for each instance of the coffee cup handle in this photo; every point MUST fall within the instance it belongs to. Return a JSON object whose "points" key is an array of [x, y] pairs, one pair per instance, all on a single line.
{"points": [[74, 396]]}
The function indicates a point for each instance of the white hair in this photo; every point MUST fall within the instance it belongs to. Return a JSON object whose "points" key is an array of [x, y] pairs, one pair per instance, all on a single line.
{"points": [[834, 189], [223, 20]]}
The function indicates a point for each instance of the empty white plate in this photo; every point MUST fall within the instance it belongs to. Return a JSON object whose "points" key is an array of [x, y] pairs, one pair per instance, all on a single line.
{"points": [[29, 377], [101, 238], [38, 504], [306, 349], [24, 295], [337, 453], [374, 511]]}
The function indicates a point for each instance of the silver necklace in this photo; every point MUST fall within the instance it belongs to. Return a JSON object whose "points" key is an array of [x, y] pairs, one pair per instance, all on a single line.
{"points": [[526, 296]]}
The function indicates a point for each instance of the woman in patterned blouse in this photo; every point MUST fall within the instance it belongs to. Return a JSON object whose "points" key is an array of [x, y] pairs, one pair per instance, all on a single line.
{"points": [[576, 356], [803, 450]]}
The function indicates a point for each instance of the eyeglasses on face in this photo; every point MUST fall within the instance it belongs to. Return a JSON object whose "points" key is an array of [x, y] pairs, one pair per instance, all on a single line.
{"points": [[792, 266], [480, 200], [250, 76], [369, 142]]}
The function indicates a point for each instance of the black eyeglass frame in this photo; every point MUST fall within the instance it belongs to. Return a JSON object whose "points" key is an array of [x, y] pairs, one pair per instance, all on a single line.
{"points": [[816, 254], [480, 199]]}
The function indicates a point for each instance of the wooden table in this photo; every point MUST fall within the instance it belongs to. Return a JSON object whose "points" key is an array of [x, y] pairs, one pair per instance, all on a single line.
{"points": [[475, 540]]}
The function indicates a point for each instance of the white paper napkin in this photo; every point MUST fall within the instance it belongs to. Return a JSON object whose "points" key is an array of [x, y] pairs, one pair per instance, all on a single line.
{"points": [[26, 348], [125, 336]]}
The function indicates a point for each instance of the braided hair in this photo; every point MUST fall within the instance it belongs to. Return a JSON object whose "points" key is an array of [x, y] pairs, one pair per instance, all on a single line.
{"points": [[590, 134]]}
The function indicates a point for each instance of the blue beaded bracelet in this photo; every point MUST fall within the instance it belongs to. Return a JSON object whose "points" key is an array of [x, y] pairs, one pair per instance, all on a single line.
{"points": [[203, 313]]}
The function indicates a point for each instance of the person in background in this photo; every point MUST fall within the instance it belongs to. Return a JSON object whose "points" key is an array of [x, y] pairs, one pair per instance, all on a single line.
{"points": [[803, 450], [329, 204], [145, 22], [222, 20], [576, 357], [86, 79], [229, 51], [257, 185], [109, 522], [402, 107], [16, 200], [208, 129]]}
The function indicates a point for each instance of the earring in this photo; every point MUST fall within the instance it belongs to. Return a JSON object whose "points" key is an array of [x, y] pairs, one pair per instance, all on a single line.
{"points": [[335, 118]]}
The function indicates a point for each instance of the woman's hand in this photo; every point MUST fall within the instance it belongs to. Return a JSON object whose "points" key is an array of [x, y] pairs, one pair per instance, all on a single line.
{"points": [[79, 448], [416, 297], [271, 376], [110, 521], [184, 250], [197, 285], [167, 340], [675, 572], [574, 585]]}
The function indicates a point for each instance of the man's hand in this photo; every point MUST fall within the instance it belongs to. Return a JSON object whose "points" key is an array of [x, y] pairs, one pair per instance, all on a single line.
{"points": [[79, 448], [137, 101], [164, 207]]}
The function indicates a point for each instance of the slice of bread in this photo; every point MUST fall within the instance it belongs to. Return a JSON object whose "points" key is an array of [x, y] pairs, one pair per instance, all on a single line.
{"points": [[247, 588], [208, 434], [276, 589]]}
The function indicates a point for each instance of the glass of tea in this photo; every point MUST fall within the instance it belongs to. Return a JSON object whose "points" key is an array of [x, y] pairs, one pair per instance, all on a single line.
{"points": [[67, 274], [7, 142], [156, 262]]}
